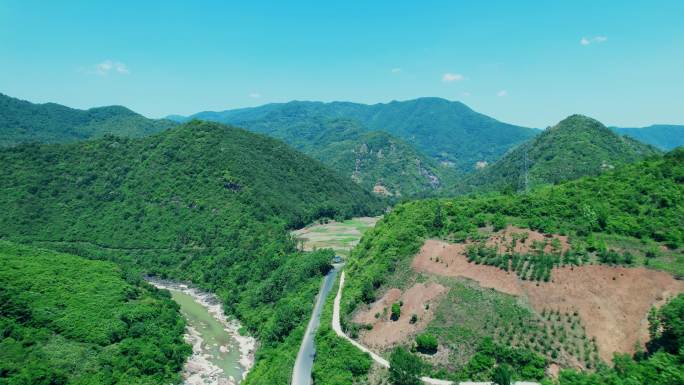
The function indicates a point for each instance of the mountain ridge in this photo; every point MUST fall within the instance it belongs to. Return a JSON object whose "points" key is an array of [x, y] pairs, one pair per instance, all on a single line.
{"points": [[202, 202], [447, 131], [376, 160], [22, 121], [575, 147], [664, 136]]}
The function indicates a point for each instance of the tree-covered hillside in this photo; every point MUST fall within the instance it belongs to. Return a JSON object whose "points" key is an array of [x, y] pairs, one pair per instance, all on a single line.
{"points": [[26, 122], [379, 161], [201, 202], [641, 201], [446, 131], [68, 320], [663, 136], [374, 159], [577, 146]]}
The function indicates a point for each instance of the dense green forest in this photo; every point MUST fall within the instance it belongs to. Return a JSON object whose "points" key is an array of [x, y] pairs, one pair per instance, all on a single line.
{"points": [[577, 146], [68, 320], [368, 157], [663, 136], [378, 159], [202, 202], [641, 200], [445, 131], [22, 122]]}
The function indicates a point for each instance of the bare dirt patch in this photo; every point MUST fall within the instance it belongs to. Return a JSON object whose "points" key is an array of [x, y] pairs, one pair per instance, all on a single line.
{"points": [[381, 190], [612, 302], [441, 258], [386, 332], [502, 240]]}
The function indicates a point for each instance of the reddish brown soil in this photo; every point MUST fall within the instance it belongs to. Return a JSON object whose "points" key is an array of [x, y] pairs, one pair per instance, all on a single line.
{"points": [[441, 258], [503, 240], [386, 332], [613, 302], [381, 190]]}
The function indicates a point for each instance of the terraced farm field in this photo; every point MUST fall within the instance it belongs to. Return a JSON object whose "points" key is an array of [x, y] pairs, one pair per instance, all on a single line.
{"points": [[339, 236]]}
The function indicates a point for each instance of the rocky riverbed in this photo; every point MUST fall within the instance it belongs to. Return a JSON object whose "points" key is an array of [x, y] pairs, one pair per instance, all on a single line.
{"points": [[220, 354]]}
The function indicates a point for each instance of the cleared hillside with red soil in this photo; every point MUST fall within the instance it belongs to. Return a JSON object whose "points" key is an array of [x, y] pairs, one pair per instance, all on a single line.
{"points": [[612, 302], [387, 332]]}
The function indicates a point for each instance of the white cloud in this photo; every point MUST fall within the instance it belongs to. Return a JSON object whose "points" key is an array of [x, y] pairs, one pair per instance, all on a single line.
{"points": [[502, 93], [592, 40], [449, 77], [109, 66], [466, 93], [395, 70], [255, 95]]}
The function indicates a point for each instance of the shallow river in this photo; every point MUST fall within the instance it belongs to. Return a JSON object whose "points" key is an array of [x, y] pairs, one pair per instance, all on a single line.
{"points": [[220, 355]]}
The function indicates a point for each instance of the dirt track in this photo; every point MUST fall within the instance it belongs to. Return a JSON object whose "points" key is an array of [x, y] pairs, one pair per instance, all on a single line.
{"points": [[613, 303]]}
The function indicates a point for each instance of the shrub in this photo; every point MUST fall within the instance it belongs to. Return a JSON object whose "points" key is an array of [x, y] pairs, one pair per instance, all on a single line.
{"points": [[502, 375], [426, 343], [405, 368], [396, 311]]}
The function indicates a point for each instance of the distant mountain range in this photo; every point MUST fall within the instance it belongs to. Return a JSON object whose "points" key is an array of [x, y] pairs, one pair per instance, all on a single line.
{"points": [[448, 132], [22, 122], [577, 146], [401, 149], [663, 136], [376, 160]]}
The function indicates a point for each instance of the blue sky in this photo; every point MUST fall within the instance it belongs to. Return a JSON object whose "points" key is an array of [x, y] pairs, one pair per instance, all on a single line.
{"points": [[524, 62]]}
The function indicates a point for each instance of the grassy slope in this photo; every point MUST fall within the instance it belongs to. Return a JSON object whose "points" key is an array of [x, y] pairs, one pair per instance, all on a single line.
{"points": [[22, 121], [640, 201], [65, 319], [577, 146], [202, 202]]}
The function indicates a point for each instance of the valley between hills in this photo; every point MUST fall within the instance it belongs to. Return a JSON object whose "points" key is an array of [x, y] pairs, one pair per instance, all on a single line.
{"points": [[472, 249]]}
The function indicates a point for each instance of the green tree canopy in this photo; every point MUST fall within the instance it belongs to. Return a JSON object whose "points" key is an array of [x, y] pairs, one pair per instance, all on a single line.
{"points": [[405, 368]]}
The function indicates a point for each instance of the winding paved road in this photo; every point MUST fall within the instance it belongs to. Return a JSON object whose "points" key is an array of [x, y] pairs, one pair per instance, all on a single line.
{"points": [[301, 374]]}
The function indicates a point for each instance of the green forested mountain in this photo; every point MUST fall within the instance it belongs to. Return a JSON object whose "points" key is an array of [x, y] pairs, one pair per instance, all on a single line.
{"points": [[446, 131], [22, 122], [68, 320], [575, 147], [201, 202], [663, 136], [379, 161], [642, 202], [374, 159]]}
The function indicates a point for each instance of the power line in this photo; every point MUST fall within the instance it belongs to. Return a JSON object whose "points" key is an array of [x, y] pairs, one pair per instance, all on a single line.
{"points": [[525, 180]]}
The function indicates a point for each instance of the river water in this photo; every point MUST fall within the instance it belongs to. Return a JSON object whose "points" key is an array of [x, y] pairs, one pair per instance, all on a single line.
{"points": [[220, 355]]}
